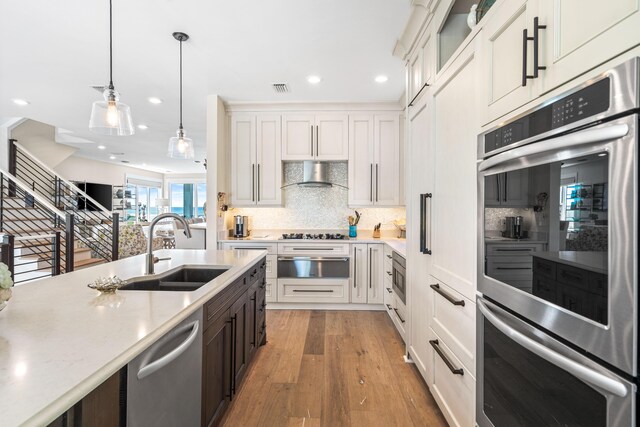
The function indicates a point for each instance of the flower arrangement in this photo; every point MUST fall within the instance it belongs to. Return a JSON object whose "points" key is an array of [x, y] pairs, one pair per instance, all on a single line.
{"points": [[5, 285], [541, 202]]}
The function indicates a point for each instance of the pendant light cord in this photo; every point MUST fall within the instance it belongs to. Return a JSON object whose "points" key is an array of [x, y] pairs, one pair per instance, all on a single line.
{"points": [[180, 84], [110, 44]]}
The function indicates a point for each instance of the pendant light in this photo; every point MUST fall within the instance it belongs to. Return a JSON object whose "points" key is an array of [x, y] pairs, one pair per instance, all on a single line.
{"points": [[181, 147], [111, 117]]}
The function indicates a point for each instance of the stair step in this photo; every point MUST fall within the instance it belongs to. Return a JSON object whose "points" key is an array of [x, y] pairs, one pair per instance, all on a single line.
{"points": [[77, 265]]}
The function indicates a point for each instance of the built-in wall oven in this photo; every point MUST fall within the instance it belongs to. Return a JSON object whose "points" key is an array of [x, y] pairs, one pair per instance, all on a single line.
{"points": [[558, 325]]}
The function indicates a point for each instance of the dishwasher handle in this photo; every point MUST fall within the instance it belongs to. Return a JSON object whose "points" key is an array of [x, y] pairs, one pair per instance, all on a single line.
{"points": [[155, 366]]}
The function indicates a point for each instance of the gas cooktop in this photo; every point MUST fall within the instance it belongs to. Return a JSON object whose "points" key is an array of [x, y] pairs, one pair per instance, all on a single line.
{"points": [[321, 236]]}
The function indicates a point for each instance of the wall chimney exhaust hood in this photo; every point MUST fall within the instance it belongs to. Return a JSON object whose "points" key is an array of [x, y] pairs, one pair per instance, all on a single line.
{"points": [[315, 174]]}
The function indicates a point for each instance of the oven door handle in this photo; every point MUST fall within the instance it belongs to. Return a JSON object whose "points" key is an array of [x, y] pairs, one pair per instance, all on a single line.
{"points": [[584, 137], [574, 368], [306, 258]]}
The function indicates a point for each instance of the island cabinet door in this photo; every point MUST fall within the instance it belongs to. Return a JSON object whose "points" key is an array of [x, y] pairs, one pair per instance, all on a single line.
{"points": [[239, 313], [252, 319], [216, 370]]}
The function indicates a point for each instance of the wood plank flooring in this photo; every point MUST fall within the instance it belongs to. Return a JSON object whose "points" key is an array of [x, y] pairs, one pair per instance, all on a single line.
{"points": [[332, 368]]}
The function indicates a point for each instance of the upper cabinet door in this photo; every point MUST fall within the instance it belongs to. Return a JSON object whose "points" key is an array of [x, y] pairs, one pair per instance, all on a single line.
{"points": [[360, 160], [502, 42], [298, 137], [386, 147], [581, 34], [243, 160], [269, 164], [331, 137]]}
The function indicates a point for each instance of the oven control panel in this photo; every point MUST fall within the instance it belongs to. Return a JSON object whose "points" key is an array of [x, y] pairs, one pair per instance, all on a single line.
{"points": [[589, 101]]}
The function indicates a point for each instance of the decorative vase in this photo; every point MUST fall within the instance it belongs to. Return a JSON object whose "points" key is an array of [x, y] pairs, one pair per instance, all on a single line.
{"points": [[353, 231], [539, 218], [472, 17]]}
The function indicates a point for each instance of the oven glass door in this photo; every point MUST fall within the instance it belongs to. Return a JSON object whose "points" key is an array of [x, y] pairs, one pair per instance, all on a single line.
{"points": [[536, 381], [398, 281], [559, 235]]}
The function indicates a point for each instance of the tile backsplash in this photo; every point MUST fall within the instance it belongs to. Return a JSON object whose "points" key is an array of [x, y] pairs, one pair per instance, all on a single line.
{"points": [[316, 208]]}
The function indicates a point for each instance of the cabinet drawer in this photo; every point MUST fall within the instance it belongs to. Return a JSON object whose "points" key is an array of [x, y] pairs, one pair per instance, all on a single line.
{"points": [[545, 288], [315, 248], [517, 268], [512, 249], [271, 248], [388, 253], [313, 290], [572, 276], [399, 316], [388, 298], [221, 302], [544, 267], [270, 290], [454, 392], [453, 317]]}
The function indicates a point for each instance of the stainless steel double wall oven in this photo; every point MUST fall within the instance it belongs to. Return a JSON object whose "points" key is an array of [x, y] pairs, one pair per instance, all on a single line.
{"points": [[558, 315]]}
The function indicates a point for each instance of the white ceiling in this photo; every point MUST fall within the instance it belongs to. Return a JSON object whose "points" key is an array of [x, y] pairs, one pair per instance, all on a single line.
{"points": [[52, 51]]}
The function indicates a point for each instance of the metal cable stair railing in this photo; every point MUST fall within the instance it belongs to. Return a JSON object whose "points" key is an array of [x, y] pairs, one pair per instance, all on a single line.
{"points": [[95, 227], [38, 239]]}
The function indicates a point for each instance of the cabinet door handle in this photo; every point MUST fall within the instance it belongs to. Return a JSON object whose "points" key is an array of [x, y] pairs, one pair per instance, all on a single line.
{"points": [[498, 188], [436, 346], [311, 140], [253, 182], [377, 182], [230, 395], [398, 314], [423, 223], [505, 186], [355, 267], [446, 296], [258, 182], [525, 40], [313, 290], [369, 268], [317, 141], [371, 183], [536, 47]]}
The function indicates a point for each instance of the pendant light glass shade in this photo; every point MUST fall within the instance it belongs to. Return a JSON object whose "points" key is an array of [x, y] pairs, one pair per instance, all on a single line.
{"points": [[110, 117], [181, 147]]}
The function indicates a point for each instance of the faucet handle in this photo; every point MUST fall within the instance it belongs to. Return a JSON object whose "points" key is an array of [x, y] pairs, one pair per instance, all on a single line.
{"points": [[156, 259]]}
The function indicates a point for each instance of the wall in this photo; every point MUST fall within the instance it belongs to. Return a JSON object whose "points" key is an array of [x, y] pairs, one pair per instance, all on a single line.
{"points": [[39, 139], [81, 169], [316, 208]]}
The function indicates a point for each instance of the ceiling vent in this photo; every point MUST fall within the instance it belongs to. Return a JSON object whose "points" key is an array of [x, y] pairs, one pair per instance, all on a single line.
{"points": [[280, 87]]}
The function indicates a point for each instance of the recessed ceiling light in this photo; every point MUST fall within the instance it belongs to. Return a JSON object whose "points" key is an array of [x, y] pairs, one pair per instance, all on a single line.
{"points": [[381, 79], [314, 80], [101, 147], [155, 100], [21, 102], [143, 127], [112, 157]]}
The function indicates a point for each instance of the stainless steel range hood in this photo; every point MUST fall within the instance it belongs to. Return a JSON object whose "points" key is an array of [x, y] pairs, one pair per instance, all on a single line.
{"points": [[315, 174]]}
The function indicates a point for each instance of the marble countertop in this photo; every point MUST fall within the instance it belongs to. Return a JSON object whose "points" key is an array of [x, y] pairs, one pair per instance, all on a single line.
{"points": [[592, 261], [364, 236], [60, 339]]}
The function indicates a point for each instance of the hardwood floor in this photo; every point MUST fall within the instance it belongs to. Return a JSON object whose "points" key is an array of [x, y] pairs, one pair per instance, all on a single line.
{"points": [[332, 368]]}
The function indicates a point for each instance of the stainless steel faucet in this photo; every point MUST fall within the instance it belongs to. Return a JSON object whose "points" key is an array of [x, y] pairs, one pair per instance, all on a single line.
{"points": [[150, 258]]}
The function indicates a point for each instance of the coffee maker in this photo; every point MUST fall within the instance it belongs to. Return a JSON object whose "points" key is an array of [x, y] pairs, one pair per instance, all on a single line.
{"points": [[241, 226], [513, 228]]}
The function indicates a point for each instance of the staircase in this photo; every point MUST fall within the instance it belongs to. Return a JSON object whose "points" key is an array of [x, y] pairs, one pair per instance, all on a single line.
{"points": [[44, 230]]}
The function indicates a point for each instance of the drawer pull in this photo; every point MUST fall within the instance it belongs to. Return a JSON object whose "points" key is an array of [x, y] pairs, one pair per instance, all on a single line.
{"points": [[389, 273], [513, 268], [388, 306], [312, 290], [446, 296], [398, 314], [389, 290], [389, 256], [436, 346], [514, 250]]}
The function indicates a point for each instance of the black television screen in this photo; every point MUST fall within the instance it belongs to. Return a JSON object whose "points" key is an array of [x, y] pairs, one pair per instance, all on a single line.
{"points": [[101, 193]]}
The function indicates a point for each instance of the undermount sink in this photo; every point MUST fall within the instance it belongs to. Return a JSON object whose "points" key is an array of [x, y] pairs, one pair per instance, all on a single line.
{"points": [[182, 279]]}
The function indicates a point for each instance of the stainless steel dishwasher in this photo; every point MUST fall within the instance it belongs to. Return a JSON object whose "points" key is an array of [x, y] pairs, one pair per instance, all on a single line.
{"points": [[164, 382]]}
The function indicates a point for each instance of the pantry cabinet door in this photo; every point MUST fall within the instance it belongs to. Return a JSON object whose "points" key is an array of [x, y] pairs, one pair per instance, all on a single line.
{"points": [[297, 137], [269, 169], [361, 160], [502, 43], [455, 196], [243, 160], [386, 147], [376, 274], [360, 273], [332, 137], [582, 34]]}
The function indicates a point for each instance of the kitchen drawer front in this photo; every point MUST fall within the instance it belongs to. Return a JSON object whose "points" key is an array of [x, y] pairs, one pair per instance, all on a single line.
{"points": [[313, 290], [399, 316], [314, 248], [572, 276], [512, 267], [271, 291], [388, 299], [454, 322], [454, 393], [271, 269], [388, 253], [513, 249], [544, 267], [271, 248]]}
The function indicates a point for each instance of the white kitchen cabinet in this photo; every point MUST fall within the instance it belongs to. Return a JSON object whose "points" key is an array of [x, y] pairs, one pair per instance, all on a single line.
{"points": [[256, 167], [508, 189], [367, 276], [454, 202], [582, 34], [313, 290], [502, 45], [315, 137], [374, 160]]}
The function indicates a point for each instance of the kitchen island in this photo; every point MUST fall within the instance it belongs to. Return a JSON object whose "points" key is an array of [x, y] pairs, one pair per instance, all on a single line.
{"points": [[59, 340]]}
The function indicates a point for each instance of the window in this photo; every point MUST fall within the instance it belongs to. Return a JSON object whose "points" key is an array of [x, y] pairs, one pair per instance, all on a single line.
{"points": [[143, 194], [188, 199]]}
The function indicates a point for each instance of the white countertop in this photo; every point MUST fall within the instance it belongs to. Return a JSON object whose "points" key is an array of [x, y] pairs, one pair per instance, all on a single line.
{"points": [[364, 236], [60, 339], [592, 261]]}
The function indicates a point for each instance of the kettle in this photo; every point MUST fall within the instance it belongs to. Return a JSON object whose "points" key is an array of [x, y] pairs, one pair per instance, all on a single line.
{"points": [[241, 226]]}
